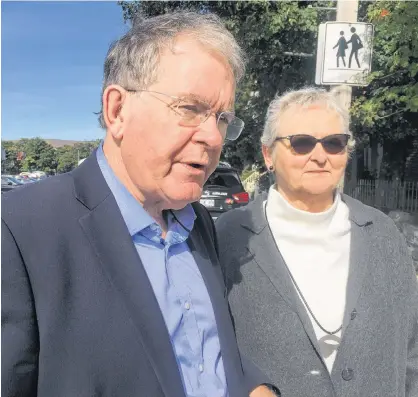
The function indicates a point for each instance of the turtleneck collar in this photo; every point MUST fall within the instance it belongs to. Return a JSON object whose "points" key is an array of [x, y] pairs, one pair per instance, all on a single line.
{"points": [[279, 209]]}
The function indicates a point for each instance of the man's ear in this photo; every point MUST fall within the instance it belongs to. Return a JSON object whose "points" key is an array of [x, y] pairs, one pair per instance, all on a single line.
{"points": [[113, 99]]}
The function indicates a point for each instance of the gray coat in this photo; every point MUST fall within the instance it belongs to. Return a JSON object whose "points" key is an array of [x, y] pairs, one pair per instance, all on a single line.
{"points": [[378, 354]]}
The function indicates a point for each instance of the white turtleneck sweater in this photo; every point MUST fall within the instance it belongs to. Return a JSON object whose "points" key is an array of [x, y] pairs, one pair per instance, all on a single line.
{"points": [[316, 248]]}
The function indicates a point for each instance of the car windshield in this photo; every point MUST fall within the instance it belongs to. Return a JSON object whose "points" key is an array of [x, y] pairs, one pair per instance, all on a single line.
{"points": [[223, 179], [11, 178]]}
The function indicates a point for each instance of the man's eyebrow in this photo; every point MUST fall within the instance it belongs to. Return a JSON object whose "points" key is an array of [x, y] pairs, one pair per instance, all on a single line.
{"points": [[197, 97], [207, 100]]}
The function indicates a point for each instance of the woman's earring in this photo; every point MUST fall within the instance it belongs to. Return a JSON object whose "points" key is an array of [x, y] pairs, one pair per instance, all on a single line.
{"points": [[271, 168]]}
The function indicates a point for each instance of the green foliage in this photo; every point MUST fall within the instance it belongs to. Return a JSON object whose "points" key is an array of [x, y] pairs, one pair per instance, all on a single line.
{"points": [[67, 159], [388, 107], [266, 29], [384, 112], [11, 165], [41, 156], [68, 156]]}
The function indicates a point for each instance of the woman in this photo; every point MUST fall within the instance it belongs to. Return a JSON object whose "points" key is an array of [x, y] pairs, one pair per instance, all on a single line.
{"points": [[342, 46], [321, 287]]}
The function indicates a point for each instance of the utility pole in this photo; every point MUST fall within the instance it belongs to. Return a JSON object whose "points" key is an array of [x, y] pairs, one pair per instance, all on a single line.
{"points": [[347, 11]]}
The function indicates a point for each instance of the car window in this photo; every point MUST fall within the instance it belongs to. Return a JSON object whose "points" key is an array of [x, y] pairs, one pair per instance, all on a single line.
{"points": [[224, 179]]}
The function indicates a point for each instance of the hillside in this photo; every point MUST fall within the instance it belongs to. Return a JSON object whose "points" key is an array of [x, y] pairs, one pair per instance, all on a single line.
{"points": [[56, 143]]}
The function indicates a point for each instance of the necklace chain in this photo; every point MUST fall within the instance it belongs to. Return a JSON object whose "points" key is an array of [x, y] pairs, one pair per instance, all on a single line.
{"points": [[296, 285]]}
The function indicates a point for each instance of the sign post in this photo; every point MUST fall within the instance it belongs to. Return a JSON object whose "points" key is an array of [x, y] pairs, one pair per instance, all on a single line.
{"points": [[344, 55]]}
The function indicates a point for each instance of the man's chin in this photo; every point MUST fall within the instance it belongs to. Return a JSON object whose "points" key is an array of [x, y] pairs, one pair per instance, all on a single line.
{"points": [[184, 195]]}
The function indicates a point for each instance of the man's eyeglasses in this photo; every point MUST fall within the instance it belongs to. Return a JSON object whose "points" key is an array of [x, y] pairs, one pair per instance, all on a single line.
{"points": [[304, 143], [194, 112]]}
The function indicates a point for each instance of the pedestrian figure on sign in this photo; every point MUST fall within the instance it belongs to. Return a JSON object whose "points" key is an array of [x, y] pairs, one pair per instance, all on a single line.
{"points": [[356, 44], [342, 46]]}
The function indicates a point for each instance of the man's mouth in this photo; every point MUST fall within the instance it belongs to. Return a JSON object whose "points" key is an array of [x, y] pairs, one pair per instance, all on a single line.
{"points": [[197, 166]]}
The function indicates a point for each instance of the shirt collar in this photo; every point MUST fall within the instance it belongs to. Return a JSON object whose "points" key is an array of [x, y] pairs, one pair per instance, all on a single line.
{"points": [[134, 215]]}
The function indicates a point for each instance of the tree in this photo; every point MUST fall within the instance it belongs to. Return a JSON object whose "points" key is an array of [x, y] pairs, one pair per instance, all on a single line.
{"points": [[39, 155], [68, 156], [11, 165], [84, 149], [267, 29], [386, 111], [66, 159]]}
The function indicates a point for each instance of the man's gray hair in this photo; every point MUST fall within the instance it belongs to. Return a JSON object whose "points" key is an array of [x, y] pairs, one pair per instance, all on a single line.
{"points": [[132, 61], [304, 97]]}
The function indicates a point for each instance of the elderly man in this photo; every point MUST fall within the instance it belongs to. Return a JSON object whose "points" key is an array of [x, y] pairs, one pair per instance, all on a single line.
{"points": [[111, 283]]}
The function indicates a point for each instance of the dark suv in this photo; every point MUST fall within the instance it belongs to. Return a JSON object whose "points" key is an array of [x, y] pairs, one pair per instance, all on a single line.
{"points": [[223, 191]]}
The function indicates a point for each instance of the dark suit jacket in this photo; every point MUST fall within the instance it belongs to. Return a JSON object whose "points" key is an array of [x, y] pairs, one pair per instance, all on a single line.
{"points": [[79, 316]]}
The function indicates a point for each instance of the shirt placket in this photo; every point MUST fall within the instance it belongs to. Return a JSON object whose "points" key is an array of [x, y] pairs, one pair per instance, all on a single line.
{"points": [[191, 334]]}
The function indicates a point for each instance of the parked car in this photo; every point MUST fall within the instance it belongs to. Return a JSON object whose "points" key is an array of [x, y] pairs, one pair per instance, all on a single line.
{"points": [[223, 191], [7, 184], [13, 179], [25, 179], [37, 175]]}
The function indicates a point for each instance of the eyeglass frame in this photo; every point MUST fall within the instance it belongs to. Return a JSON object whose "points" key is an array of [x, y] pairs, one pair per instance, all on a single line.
{"points": [[318, 140], [177, 98]]}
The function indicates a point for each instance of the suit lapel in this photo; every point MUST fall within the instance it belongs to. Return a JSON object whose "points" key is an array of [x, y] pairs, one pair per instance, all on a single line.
{"points": [[112, 243], [212, 275]]}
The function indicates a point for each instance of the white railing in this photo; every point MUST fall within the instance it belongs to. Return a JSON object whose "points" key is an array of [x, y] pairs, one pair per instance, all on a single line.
{"points": [[387, 195], [250, 182]]}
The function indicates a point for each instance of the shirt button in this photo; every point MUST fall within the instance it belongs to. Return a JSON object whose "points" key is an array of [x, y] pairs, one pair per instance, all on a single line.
{"points": [[347, 374], [201, 367], [187, 305], [353, 314]]}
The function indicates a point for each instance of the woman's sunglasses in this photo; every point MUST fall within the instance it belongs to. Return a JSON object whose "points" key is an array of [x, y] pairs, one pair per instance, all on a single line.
{"points": [[304, 143]]}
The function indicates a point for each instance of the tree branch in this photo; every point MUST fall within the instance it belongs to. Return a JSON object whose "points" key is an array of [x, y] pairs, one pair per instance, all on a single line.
{"points": [[390, 75], [391, 114]]}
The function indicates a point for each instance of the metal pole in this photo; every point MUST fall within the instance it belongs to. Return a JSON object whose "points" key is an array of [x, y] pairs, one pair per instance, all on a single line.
{"points": [[347, 11]]}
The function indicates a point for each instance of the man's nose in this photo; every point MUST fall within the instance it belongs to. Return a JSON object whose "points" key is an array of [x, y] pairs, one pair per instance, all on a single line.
{"points": [[209, 133]]}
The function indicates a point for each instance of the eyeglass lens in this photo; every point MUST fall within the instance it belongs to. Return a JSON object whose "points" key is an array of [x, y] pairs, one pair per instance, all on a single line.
{"points": [[332, 144]]}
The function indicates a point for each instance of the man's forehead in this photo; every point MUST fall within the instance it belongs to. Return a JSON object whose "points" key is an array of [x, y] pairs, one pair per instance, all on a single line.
{"points": [[191, 63]]}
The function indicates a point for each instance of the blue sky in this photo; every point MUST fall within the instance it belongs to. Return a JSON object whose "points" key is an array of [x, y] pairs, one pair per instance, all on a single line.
{"points": [[52, 57]]}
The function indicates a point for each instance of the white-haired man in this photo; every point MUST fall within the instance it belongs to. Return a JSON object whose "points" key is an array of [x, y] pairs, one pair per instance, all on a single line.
{"points": [[111, 283]]}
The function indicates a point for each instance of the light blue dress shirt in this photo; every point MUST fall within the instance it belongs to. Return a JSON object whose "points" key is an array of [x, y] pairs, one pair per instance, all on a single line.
{"points": [[179, 288]]}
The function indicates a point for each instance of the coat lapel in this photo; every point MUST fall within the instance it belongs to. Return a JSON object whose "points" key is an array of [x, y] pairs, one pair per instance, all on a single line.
{"points": [[212, 275], [267, 255], [359, 263], [112, 243]]}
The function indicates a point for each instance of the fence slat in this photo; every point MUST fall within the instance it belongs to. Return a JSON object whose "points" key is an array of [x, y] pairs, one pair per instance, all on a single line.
{"points": [[387, 195]]}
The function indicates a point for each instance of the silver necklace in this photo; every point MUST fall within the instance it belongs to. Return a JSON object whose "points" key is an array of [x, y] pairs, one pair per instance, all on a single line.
{"points": [[296, 284]]}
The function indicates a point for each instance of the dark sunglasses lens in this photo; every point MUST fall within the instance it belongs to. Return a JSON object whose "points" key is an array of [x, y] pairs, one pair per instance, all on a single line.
{"points": [[335, 144], [302, 144]]}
